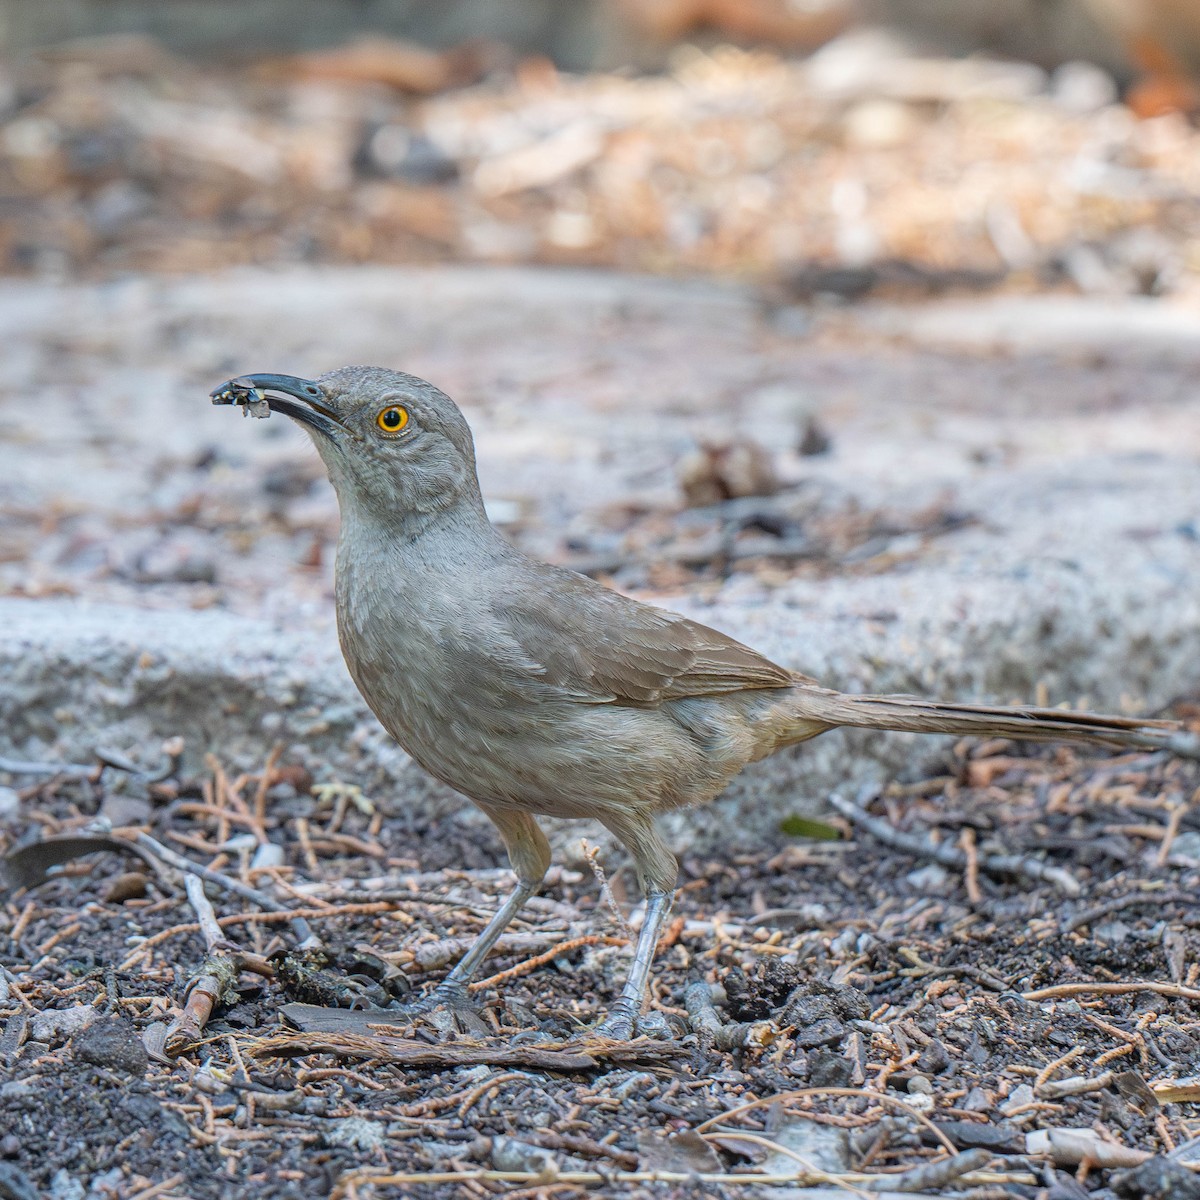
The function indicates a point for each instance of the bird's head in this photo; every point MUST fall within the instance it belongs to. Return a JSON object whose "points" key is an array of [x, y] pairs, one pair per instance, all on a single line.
{"points": [[395, 446]]}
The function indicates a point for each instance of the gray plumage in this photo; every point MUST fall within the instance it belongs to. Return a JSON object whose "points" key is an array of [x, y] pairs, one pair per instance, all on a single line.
{"points": [[533, 690]]}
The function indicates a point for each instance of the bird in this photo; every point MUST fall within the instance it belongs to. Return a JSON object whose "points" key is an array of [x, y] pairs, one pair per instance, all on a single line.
{"points": [[534, 691]]}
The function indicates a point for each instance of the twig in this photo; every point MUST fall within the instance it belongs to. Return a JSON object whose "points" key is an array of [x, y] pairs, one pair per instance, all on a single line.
{"points": [[1178, 811], [755, 1139], [300, 927], [706, 1021], [1044, 1074], [264, 783], [802, 1093], [250, 918], [966, 839], [1077, 1085], [590, 852], [931, 1177], [532, 964], [211, 983], [433, 955], [608, 1178], [699, 552], [581, 1055], [1062, 990], [13, 766], [1091, 915], [993, 864]]}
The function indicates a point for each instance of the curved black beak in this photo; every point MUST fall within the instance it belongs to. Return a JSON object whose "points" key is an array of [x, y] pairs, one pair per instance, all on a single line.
{"points": [[280, 393]]}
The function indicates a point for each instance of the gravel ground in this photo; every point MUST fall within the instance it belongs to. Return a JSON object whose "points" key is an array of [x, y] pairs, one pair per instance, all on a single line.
{"points": [[1021, 1013]]}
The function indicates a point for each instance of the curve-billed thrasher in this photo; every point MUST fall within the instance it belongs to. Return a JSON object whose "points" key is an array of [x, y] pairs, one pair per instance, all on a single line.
{"points": [[534, 690]]}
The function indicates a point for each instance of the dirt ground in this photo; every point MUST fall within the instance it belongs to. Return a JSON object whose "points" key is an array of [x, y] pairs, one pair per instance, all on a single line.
{"points": [[940, 434], [1028, 1015]]}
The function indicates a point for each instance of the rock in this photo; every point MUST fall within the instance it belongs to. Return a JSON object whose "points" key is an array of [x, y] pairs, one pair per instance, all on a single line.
{"points": [[1019, 1097], [823, 1146], [64, 1186], [10, 805], [125, 810], [356, 1133], [58, 1024], [1082, 577], [511, 1154], [813, 1022], [111, 1042], [396, 152], [718, 471], [934, 1058], [756, 997], [1158, 1178], [131, 885], [1185, 850], [14, 1183], [880, 124], [827, 1069], [1083, 87], [933, 879]]}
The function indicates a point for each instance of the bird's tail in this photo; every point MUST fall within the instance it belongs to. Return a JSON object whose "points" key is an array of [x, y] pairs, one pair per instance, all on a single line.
{"points": [[914, 715]]}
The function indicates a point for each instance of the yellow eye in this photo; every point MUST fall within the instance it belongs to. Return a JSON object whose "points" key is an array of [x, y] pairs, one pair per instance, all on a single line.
{"points": [[392, 419]]}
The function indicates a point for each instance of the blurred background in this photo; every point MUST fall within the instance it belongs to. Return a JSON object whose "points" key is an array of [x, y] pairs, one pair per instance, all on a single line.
{"points": [[919, 144]]}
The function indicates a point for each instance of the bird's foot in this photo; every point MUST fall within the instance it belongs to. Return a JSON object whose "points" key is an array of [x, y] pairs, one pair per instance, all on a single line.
{"points": [[448, 1008], [623, 1026]]}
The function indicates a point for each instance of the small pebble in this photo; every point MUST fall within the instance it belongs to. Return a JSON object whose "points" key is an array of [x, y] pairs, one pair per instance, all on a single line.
{"points": [[60, 1023], [129, 886], [10, 805], [1018, 1098], [111, 1042], [356, 1133]]}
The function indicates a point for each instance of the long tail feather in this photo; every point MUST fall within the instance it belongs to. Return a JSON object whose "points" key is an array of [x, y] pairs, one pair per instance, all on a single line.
{"points": [[912, 714]]}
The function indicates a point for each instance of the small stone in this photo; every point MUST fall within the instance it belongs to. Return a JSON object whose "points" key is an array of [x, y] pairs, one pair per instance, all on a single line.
{"points": [[813, 1020], [827, 1069], [10, 805], [918, 1085], [107, 1185], [64, 1186], [126, 810], [129, 886], [1018, 1098], [1083, 87], [934, 1058], [933, 879], [356, 1133], [880, 125], [814, 440], [1112, 933], [111, 1042], [269, 854], [1185, 850], [58, 1024], [1160, 1178]]}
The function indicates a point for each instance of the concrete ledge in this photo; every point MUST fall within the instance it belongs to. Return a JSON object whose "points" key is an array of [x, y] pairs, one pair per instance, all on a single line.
{"points": [[1121, 631]]}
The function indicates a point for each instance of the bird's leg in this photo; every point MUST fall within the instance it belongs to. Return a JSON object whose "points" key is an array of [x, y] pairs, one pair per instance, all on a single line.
{"points": [[658, 870], [529, 853]]}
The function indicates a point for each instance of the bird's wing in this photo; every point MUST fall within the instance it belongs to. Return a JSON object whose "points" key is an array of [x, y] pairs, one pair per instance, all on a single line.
{"points": [[604, 648]]}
